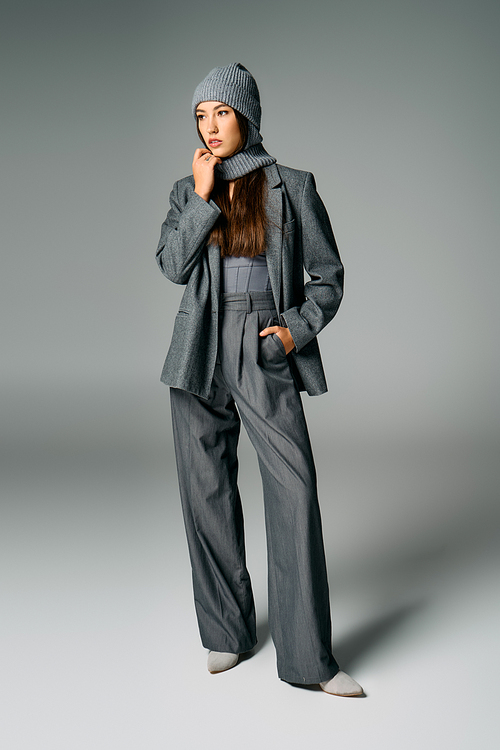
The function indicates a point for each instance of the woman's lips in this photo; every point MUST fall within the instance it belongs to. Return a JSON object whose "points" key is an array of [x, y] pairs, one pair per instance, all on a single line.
{"points": [[214, 144]]}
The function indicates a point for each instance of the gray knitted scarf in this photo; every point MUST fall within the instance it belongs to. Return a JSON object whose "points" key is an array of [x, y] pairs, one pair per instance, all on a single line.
{"points": [[235, 86]]}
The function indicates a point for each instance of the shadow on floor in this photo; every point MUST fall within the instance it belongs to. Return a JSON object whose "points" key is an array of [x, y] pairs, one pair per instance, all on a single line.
{"points": [[370, 635]]}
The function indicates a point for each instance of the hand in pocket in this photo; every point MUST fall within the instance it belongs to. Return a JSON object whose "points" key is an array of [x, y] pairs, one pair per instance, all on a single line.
{"points": [[282, 333]]}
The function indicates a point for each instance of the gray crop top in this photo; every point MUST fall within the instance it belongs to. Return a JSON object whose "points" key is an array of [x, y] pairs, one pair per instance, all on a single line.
{"points": [[245, 274]]}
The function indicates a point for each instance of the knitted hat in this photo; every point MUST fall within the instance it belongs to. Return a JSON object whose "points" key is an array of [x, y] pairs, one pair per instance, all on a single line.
{"points": [[234, 85]]}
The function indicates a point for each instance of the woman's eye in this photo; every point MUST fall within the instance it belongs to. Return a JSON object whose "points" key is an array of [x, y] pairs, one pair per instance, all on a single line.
{"points": [[223, 112]]}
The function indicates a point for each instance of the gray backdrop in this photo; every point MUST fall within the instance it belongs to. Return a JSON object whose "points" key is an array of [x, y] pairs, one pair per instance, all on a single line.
{"points": [[393, 105]]}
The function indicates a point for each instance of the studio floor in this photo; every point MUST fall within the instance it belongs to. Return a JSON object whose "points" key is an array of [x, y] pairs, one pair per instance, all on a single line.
{"points": [[99, 643]]}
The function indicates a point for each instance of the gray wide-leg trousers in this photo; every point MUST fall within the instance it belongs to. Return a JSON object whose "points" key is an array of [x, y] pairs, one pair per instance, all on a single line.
{"points": [[253, 382]]}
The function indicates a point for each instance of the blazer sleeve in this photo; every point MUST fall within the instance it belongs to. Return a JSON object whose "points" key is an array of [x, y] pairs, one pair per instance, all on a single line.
{"points": [[323, 292], [184, 233]]}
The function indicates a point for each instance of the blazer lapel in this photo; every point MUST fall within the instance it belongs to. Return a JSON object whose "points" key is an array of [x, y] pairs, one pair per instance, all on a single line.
{"points": [[274, 206]]}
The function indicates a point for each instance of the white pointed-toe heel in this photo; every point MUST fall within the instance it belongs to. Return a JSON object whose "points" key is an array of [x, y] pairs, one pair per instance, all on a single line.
{"points": [[221, 661], [343, 685]]}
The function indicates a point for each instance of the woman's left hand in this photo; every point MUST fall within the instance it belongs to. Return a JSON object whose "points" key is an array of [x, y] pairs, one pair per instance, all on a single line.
{"points": [[283, 333]]}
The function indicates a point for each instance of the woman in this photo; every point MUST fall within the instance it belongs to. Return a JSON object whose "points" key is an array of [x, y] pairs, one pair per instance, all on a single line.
{"points": [[239, 233]]}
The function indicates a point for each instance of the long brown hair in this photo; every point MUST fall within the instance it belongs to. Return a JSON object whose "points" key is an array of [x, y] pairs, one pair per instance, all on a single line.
{"points": [[241, 227]]}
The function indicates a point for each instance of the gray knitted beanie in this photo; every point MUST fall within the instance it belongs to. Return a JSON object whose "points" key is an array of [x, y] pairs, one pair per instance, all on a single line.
{"points": [[235, 86]]}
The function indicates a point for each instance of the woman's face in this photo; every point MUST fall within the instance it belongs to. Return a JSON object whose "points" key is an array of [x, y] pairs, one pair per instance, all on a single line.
{"points": [[219, 128]]}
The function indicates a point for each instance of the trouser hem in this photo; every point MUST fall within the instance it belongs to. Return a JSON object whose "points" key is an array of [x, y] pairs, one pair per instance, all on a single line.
{"points": [[324, 677], [224, 648]]}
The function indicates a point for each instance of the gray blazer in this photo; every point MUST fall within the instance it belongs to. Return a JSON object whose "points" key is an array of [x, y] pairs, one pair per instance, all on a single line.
{"points": [[299, 237]]}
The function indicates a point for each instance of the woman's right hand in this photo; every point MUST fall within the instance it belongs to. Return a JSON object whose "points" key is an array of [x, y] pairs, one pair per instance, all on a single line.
{"points": [[203, 172]]}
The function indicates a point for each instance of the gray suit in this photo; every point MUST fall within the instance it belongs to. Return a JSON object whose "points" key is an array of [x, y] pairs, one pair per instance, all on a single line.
{"points": [[299, 236], [221, 373]]}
